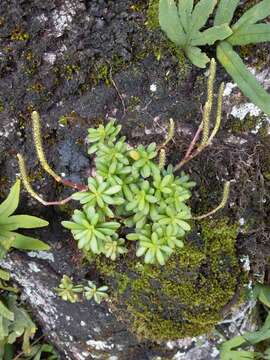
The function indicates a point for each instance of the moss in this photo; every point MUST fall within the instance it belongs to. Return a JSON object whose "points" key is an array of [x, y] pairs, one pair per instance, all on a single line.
{"points": [[37, 87], [152, 14], [70, 70], [19, 35], [250, 124], [187, 295], [1, 106], [133, 102]]}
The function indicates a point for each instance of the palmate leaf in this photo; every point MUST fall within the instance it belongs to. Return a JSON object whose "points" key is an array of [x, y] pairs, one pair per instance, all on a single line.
{"points": [[210, 36], [170, 22], [256, 13], [250, 34], [225, 11], [242, 76]]}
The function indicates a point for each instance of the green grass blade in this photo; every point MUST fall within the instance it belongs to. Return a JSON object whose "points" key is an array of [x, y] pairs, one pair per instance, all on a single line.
{"points": [[244, 79], [197, 57], [185, 8], [210, 36], [200, 15], [9, 205], [225, 11], [256, 13], [170, 22], [250, 34]]}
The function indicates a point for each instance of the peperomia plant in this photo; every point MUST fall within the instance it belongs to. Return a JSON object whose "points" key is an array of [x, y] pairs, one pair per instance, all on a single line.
{"points": [[131, 195], [182, 22]]}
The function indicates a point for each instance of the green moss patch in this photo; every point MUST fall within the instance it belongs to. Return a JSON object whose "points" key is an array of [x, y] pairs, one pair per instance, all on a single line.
{"points": [[186, 296]]}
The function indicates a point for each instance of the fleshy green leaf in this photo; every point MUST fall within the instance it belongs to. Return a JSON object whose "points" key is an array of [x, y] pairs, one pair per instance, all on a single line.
{"points": [[197, 57], [256, 13], [23, 242], [9, 205], [26, 221], [225, 11], [170, 22], [243, 77], [250, 34], [211, 35]]}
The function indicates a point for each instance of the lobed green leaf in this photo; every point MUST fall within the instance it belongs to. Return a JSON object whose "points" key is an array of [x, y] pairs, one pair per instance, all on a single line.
{"points": [[250, 34], [256, 13], [225, 11], [170, 22], [197, 57], [185, 8], [200, 15], [211, 35]]}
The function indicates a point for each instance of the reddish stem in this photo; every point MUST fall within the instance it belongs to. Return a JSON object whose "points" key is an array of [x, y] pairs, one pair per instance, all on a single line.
{"points": [[188, 156], [73, 185]]}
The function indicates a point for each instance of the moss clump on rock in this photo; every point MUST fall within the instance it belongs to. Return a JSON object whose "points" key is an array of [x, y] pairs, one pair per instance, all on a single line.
{"points": [[186, 296]]}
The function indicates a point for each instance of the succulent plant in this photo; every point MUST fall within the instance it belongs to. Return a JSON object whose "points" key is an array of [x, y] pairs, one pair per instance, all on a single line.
{"points": [[143, 159], [92, 292], [90, 230], [131, 190], [100, 194], [142, 195], [114, 247], [68, 291], [103, 133], [175, 220]]}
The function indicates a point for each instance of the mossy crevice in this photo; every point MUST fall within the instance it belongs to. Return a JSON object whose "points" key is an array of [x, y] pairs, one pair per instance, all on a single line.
{"points": [[187, 295]]}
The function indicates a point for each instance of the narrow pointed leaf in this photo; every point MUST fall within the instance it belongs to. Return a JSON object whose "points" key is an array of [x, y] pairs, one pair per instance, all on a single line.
{"points": [[197, 57], [256, 13], [170, 23], [225, 11], [211, 35], [244, 79], [185, 8], [23, 242], [26, 221], [9, 205], [250, 34], [201, 13]]}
